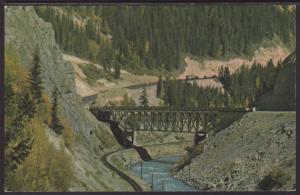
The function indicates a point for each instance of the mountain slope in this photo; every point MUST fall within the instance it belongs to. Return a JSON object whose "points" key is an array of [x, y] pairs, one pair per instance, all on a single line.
{"points": [[251, 154], [25, 31], [283, 96], [157, 38]]}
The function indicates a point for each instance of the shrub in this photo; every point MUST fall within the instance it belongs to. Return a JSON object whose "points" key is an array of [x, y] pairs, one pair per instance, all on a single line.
{"points": [[45, 169], [127, 101], [45, 109], [14, 71], [68, 134], [94, 73], [274, 179]]}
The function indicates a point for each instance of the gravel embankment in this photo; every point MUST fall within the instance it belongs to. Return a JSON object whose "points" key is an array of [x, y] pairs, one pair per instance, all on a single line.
{"points": [[257, 152]]}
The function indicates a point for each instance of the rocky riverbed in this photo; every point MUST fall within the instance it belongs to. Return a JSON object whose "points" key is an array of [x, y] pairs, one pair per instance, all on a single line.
{"points": [[257, 152]]}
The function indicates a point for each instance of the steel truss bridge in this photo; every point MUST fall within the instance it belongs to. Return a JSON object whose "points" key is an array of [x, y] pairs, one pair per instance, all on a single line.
{"points": [[166, 119]]}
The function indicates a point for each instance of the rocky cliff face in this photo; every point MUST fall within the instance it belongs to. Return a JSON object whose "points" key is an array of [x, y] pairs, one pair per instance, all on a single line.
{"points": [[25, 31], [257, 152]]}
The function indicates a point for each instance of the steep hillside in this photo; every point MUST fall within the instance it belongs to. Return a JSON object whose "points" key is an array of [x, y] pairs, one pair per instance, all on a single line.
{"points": [[25, 31], [55, 72], [283, 96], [251, 154], [137, 39], [97, 80]]}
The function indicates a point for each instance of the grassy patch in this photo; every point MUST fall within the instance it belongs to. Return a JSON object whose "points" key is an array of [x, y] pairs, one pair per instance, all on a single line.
{"points": [[84, 185], [105, 137]]}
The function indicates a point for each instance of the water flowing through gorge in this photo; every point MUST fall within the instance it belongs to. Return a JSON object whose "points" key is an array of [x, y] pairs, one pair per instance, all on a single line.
{"points": [[157, 173]]}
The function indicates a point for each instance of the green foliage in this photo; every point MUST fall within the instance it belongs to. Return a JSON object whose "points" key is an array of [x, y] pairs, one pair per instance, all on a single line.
{"points": [[180, 93], [283, 94], [31, 163], [245, 85], [144, 98], [106, 55], [45, 169], [44, 110], [267, 87], [160, 87], [68, 134], [127, 101], [36, 80], [117, 69], [73, 38], [55, 123], [18, 112], [155, 37], [61, 175], [93, 73], [224, 77], [274, 179]]}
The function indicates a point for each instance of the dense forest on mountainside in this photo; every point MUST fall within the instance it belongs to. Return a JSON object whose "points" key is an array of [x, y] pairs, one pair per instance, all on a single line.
{"points": [[283, 94], [265, 87], [177, 93], [156, 37]]}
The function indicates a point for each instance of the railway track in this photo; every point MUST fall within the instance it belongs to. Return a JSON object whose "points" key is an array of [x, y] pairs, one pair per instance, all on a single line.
{"points": [[133, 183], [137, 86]]}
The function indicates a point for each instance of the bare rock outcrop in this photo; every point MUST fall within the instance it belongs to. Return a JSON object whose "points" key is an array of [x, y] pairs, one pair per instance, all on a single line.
{"points": [[26, 32]]}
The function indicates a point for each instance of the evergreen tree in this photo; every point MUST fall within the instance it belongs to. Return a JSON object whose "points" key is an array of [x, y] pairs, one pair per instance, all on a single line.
{"points": [[31, 162], [159, 88], [36, 78], [117, 70], [227, 102], [19, 112], [55, 123], [226, 78], [140, 33], [144, 98], [127, 101], [270, 69], [118, 59]]}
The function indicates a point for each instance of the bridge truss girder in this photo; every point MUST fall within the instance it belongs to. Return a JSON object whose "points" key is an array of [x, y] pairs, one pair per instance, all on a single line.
{"points": [[167, 121], [159, 119]]}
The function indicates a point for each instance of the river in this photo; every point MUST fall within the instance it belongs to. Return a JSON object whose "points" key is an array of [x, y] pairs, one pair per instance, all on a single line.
{"points": [[162, 178]]}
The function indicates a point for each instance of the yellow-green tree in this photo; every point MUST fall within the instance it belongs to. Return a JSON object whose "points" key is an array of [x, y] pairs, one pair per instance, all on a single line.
{"points": [[31, 162]]}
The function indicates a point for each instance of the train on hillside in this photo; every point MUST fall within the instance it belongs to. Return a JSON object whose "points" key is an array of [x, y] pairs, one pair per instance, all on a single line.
{"points": [[191, 77], [194, 77]]}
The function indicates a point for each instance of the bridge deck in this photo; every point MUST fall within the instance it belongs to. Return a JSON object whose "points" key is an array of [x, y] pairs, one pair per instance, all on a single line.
{"points": [[162, 109], [166, 119]]}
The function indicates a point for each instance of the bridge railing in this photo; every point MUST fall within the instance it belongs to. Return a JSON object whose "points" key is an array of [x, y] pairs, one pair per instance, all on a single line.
{"points": [[177, 109]]}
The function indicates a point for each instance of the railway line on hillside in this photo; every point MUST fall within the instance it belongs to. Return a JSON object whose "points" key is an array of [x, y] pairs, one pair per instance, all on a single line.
{"points": [[92, 98], [137, 187], [131, 181]]}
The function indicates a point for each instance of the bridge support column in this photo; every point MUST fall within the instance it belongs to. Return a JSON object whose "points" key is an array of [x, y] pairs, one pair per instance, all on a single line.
{"points": [[199, 136], [129, 134]]}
